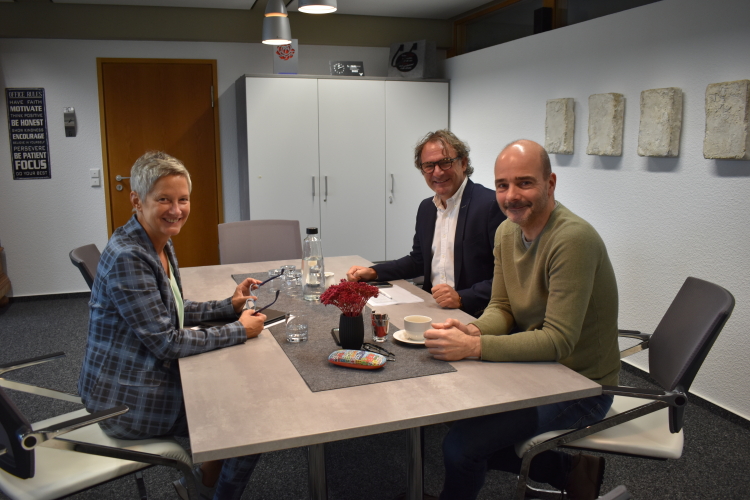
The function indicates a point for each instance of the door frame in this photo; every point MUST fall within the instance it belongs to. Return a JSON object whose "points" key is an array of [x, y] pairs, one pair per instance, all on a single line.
{"points": [[103, 127]]}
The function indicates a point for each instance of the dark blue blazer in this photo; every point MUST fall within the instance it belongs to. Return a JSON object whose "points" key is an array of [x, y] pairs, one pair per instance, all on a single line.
{"points": [[473, 246]]}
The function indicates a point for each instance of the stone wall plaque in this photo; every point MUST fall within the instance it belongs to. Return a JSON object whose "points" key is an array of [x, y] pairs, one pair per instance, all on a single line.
{"points": [[606, 117], [661, 122], [559, 127], [727, 108]]}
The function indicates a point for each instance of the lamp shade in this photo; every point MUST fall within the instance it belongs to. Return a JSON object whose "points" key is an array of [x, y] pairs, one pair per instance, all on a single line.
{"points": [[317, 6], [275, 8], [276, 31]]}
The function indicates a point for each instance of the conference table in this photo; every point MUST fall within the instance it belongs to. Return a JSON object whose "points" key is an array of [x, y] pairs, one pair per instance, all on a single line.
{"points": [[250, 399]]}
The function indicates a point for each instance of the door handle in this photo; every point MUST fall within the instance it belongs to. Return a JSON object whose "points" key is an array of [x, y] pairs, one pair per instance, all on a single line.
{"points": [[326, 193], [313, 183], [120, 178], [393, 181]]}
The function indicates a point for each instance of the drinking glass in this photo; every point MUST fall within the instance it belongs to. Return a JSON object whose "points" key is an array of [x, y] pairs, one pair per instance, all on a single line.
{"points": [[296, 327], [274, 285]]}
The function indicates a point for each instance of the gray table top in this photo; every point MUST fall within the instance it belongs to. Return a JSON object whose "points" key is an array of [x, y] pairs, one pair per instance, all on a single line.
{"points": [[250, 399]]}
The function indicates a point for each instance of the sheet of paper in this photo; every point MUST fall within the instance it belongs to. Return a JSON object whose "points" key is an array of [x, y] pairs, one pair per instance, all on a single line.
{"points": [[392, 296]]}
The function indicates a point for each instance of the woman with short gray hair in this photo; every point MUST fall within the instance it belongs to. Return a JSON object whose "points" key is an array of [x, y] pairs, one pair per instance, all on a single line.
{"points": [[138, 318]]}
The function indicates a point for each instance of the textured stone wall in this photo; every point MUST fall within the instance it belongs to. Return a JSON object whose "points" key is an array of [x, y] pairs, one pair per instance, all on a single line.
{"points": [[727, 109], [661, 122], [606, 118], [559, 126]]}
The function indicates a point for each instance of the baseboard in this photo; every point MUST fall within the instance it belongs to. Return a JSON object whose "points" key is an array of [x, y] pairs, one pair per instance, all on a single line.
{"points": [[693, 399], [34, 298]]}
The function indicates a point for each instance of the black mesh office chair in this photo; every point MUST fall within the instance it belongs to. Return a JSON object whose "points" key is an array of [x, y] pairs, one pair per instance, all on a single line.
{"points": [[677, 349], [63, 455], [86, 259]]}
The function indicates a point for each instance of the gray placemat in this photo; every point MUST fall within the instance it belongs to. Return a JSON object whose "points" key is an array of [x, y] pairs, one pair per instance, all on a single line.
{"points": [[310, 358]]}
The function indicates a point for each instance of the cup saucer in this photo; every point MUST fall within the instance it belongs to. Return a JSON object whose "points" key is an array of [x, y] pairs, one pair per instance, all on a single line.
{"points": [[401, 337]]}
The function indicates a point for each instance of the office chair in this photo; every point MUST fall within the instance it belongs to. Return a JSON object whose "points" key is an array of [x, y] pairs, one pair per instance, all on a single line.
{"points": [[63, 455], [259, 240], [86, 259], [677, 349]]}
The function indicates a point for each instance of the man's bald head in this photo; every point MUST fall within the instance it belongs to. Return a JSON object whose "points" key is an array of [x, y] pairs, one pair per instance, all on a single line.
{"points": [[526, 147]]}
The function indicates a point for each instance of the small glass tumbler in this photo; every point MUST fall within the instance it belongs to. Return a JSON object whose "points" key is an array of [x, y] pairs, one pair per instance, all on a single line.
{"points": [[296, 327], [380, 324], [274, 285]]}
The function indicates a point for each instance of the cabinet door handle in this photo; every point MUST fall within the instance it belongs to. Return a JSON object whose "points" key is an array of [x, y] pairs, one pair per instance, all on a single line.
{"points": [[393, 181], [326, 194], [313, 182]]}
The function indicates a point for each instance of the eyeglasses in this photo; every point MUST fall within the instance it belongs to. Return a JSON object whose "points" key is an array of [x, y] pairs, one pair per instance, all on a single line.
{"points": [[250, 304], [271, 278], [379, 350], [429, 166]]}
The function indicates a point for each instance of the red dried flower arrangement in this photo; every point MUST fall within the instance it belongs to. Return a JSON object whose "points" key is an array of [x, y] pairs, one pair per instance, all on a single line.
{"points": [[349, 296]]}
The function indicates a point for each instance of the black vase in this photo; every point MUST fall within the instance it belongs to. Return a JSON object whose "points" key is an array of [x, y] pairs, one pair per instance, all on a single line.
{"points": [[351, 331]]}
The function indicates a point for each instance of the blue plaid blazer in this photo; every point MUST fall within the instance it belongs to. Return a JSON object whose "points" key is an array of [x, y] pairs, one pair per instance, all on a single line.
{"points": [[134, 337]]}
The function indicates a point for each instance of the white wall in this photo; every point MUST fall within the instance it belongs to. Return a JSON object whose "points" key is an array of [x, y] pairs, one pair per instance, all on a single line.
{"points": [[42, 220], [662, 219]]}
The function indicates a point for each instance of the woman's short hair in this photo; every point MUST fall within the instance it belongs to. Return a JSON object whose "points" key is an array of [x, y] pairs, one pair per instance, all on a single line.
{"points": [[446, 138], [151, 167]]}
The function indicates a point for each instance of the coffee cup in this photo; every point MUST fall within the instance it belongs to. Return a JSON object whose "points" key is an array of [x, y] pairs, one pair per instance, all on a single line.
{"points": [[330, 279], [415, 326]]}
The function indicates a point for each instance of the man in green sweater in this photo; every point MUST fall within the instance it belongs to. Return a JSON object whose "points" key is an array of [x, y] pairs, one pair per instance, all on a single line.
{"points": [[554, 298]]}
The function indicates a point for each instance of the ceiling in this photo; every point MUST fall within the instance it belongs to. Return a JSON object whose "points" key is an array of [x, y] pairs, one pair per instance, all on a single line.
{"points": [[424, 9]]}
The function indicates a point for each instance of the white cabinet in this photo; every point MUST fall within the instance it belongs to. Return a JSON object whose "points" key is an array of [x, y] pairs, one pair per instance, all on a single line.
{"points": [[337, 154]]}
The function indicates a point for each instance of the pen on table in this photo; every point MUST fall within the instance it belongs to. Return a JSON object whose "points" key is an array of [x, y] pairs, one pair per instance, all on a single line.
{"points": [[383, 293]]}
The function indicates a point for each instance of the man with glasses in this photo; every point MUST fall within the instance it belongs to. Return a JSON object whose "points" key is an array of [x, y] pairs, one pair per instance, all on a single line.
{"points": [[455, 230]]}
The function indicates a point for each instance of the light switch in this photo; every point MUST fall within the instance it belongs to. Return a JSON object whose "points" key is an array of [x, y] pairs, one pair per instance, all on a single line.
{"points": [[95, 182], [94, 173]]}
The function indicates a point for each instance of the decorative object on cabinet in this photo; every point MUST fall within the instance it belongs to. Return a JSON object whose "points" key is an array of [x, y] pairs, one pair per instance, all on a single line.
{"points": [[276, 29], [347, 68], [413, 60], [317, 6], [559, 126], [606, 117], [661, 122], [286, 59], [727, 107]]}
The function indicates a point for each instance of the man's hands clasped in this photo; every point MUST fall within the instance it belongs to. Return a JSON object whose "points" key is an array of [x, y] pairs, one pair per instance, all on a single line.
{"points": [[453, 340]]}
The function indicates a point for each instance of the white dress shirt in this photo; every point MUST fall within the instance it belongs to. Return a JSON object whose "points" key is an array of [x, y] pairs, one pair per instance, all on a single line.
{"points": [[444, 237]]}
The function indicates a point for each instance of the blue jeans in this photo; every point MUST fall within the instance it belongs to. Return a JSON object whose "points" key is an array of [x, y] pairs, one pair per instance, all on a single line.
{"points": [[474, 445]]}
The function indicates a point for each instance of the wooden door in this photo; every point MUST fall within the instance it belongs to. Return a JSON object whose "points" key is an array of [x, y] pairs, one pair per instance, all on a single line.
{"points": [[352, 167], [170, 106]]}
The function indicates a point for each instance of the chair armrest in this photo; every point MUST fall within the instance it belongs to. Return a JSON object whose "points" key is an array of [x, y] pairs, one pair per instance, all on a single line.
{"points": [[33, 389], [674, 399], [32, 439], [15, 365], [634, 334], [2, 450]]}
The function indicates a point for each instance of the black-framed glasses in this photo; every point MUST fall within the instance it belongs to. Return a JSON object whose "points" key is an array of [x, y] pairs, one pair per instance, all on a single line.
{"points": [[379, 350], [247, 306], [429, 166], [269, 279]]}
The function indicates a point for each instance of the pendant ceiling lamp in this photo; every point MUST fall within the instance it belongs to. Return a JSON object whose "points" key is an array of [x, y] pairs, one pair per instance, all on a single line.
{"points": [[276, 29], [317, 6]]}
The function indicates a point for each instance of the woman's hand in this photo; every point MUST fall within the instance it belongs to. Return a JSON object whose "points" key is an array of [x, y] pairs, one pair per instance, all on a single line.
{"points": [[242, 293], [252, 322]]}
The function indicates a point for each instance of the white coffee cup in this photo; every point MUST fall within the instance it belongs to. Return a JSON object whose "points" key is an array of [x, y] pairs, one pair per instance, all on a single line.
{"points": [[330, 279], [415, 326]]}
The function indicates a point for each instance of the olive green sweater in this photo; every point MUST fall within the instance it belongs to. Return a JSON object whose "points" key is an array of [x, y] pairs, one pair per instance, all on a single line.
{"points": [[560, 295]]}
